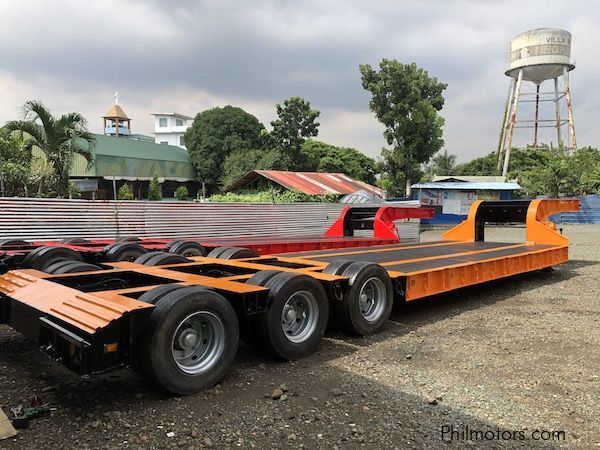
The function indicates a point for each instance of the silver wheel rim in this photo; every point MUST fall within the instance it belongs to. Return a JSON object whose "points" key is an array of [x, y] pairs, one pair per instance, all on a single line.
{"points": [[299, 316], [198, 342], [372, 299]]}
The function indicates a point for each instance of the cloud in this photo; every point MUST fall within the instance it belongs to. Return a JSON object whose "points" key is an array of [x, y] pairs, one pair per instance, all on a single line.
{"points": [[187, 56]]}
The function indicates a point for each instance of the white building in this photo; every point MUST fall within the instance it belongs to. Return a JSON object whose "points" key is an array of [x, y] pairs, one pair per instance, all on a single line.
{"points": [[169, 128]]}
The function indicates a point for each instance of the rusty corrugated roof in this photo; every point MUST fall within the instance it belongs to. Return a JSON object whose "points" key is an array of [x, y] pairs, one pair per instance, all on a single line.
{"points": [[311, 183]]}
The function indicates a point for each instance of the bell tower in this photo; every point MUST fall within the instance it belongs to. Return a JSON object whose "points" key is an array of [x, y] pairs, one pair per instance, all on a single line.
{"points": [[116, 122]]}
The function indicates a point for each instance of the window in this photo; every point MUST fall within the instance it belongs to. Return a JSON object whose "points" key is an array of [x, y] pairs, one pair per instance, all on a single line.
{"points": [[181, 143], [164, 142], [162, 122], [178, 122]]}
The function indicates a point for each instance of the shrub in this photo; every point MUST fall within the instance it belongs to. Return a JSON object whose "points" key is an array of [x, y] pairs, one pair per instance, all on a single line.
{"points": [[154, 190], [182, 193], [124, 193]]}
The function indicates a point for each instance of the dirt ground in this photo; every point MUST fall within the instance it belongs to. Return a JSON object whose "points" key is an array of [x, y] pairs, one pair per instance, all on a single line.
{"points": [[509, 364]]}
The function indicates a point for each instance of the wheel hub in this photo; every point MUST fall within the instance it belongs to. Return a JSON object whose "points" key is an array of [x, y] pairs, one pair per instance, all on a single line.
{"points": [[299, 316], [188, 338]]}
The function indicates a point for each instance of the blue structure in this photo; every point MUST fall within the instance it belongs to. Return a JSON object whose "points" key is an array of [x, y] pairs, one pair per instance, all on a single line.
{"points": [[451, 197], [589, 212]]}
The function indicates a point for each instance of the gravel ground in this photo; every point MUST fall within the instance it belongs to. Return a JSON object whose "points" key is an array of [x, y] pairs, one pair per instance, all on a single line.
{"points": [[511, 357]]}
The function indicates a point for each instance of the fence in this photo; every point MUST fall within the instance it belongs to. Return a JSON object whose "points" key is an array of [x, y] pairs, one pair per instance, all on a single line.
{"points": [[51, 219]]}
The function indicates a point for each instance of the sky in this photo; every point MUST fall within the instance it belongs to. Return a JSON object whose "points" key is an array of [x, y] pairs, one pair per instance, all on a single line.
{"points": [[188, 56]]}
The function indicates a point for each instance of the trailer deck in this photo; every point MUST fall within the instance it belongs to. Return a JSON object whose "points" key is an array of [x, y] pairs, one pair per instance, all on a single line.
{"points": [[167, 320]]}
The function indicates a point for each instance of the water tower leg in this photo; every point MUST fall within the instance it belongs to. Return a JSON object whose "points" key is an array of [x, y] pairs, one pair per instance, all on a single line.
{"points": [[569, 109], [507, 108], [537, 115], [557, 105], [511, 122]]}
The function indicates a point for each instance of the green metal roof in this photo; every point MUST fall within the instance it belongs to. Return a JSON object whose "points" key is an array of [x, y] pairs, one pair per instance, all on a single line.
{"points": [[127, 157]]}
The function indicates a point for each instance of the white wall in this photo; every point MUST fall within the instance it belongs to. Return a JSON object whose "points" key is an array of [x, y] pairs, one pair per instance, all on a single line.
{"points": [[172, 133]]}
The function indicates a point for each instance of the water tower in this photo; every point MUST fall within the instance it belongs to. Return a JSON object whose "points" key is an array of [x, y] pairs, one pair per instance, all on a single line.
{"points": [[537, 56]]}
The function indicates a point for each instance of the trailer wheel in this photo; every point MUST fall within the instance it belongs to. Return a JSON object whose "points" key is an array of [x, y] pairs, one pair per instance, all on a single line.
{"points": [[74, 241], [246, 331], [295, 322], [187, 249], [166, 258], [63, 267], [368, 302], [232, 253], [43, 257], [190, 341], [124, 239], [146, 256], [12, 243], [153, 296], [124, 252], [337, 267]]}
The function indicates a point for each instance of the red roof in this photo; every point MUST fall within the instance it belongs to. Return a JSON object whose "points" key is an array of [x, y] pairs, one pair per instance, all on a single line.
{"points": [[311, 183]]}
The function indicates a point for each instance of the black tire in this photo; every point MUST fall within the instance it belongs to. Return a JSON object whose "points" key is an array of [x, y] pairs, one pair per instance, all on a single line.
{"points": [[216, 252], [246, 332], [12, 243], [43, 257], [268, 328], [372, 317], [232, 253], [63, 267], [170, 244], [188, 249], [124, 239], [75, 241], [146, 256], [153, 296], [124, 252], [337, 267], [157, 340], [166, 258]]}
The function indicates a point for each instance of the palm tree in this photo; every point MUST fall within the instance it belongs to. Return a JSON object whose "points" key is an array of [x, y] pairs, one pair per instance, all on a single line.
{"points": [[444, 163], [59, 138]]}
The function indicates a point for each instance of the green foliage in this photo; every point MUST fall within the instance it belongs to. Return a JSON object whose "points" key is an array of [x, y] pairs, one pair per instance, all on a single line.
{"points": [[272, 197], [16, 175], [154, 190], [124, 193], [482, 166], [406, 100], [322, 157], [544, 171], [296, 122], [59, 138], [240, 162], [182, 193], [215, 134], [443, 163]]}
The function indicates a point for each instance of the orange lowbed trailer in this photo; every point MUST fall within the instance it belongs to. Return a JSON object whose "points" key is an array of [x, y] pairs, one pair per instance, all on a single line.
{"points": [[179, 323]]}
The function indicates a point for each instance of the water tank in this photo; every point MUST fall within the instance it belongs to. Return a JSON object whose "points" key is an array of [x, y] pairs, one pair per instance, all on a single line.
{"points": [[541, 53]]}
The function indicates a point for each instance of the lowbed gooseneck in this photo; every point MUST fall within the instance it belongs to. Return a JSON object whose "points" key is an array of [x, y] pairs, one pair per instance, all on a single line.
{"points": [[177, 319]]}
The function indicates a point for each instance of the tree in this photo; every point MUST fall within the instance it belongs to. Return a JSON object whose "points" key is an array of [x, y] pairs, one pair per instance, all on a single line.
{"points": [[296, 122], [406, 100], [482, 166], [15, 164], [240, 162], [322, 157], [216, 133], [154, 190], [444, 163], [59, 138]]}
